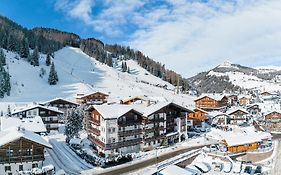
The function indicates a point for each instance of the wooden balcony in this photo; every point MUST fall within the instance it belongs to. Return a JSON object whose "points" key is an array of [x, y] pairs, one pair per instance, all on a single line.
{"points": [[95, 122], [130, 132], [93, 130], [123, 144], [96, 142], [19, 159]]}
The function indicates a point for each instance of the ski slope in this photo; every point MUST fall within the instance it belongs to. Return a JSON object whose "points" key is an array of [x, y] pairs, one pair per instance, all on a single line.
{"points": [[79, 73]]}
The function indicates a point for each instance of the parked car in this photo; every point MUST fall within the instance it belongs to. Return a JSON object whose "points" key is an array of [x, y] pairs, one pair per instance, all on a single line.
{"points": [[248, 169], [258, 169], [213, 148]]}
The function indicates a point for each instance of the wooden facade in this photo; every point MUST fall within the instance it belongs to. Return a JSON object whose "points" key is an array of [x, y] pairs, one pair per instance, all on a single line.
{"points": [[131, 100], [94, 98], [209, 103], [243, 101], [241, 148], [238, 116], [21, 150], [198, 114], [61, 104]]}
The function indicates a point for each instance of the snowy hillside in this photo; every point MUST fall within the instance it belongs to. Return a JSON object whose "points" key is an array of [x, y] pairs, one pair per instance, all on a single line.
{"points": [[79, 73], [232, 77]]}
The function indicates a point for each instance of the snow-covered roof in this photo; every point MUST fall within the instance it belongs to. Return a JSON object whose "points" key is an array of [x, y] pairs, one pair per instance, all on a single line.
{"points": [[91, 93], [59, 98], [173, 169], [216, 97], [113, 111], [155, 107], [235, 140], [21, 109], [244, 96], [201, 110], [233, 110], [13, 134], [34, 124], [269, 112], [75, 141]]}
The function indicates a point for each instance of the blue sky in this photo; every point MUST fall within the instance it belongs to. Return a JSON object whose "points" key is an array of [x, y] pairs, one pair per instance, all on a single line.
{"points": [[188, 36]]}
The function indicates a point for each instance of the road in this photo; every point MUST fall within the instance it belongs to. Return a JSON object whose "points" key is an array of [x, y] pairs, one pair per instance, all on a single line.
{"points": [[277, 168], [64, 158], [144, 163]]}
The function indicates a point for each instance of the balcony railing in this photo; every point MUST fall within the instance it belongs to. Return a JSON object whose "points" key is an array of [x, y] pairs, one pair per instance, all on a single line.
{"points": [[130, 132], [16, 159]]}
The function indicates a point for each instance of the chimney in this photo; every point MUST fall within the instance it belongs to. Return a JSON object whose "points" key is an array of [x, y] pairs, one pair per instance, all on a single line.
{"points": [[148, 103]]}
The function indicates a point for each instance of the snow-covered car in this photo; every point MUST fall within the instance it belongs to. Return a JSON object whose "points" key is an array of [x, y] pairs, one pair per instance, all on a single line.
{"points": [[213, 148], [193, 169], [227, 167], [203, 167]]}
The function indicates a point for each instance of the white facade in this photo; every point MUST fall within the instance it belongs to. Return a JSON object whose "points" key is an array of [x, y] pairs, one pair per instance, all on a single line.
{"points": [[15, 167]]}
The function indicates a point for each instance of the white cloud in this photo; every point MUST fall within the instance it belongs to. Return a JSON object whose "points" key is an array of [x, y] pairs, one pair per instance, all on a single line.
{"points": [[198, 35], [189, 36]]}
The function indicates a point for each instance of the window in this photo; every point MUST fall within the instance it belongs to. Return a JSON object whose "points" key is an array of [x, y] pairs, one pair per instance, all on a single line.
{"points": [[34, 113], [42, 112], [29, 113], [109, 130], [9, 153], [136, 136], [29, 151], [34, 165], [113, 140], [113, 129], [7, 168], [135, 126], [136, 117], [20, 167]]}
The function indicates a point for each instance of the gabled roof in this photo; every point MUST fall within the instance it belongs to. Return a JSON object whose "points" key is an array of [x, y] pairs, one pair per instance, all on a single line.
{"points": [[34, 124], [132, 98], [113, 111], [277, 111], [216, 97], [233, 110], [154, 108], [13, 134], [201, 110], [22, 109], [92, 93], [55, 99]]}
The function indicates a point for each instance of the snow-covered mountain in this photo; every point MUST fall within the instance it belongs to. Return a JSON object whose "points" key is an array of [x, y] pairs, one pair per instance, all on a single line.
{"points": [[228, 77], [79, 73]]}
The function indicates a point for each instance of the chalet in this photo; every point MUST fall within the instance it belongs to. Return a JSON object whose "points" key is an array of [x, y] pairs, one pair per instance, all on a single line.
{"points": [[21, 150], [50, 115], [114, 128], [244, 100], [61, 104], [132, 100], [95, 98], [164, 122], [33, 124], [253, 109], [273, 121], [210, 102], [232, 99], [197, 116], [237, 116], [131, 128], [221, 119], [266, 96]]}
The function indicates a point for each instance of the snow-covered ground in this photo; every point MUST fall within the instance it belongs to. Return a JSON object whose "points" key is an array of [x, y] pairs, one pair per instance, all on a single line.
{"points": [[79, 73], [248, 81], [62, 157]]}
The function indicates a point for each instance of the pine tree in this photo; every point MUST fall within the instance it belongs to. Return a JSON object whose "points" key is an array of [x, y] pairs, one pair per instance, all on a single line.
{"points": [[74, 119], [2, 58], [48, 59], [35, 57], [24, 50], [53, 76]]}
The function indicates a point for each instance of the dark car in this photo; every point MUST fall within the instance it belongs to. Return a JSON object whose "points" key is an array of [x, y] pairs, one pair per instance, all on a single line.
{"points": [[248, 169], [258, 169]]}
